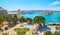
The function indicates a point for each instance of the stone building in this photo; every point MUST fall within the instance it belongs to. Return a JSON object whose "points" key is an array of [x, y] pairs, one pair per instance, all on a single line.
{"points": [[13, 13], [3, 11]]}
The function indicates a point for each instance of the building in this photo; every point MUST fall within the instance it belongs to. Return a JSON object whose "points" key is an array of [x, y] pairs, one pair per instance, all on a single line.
{"points": [[13, 13], [3, 11]]}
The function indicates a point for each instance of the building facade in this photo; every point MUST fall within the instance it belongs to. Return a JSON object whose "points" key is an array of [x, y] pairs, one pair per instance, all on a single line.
{"points": [[4, 12]]}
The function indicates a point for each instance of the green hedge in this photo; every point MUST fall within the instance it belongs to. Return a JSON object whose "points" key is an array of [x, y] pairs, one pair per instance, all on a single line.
{"points": [[21, 31]]}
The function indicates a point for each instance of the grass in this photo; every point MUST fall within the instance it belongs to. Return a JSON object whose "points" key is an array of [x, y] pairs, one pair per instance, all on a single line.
{"points": [[21, 31]]}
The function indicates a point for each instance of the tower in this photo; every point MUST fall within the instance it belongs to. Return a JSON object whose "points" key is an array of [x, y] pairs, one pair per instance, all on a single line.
{"points": [[19, 15]]}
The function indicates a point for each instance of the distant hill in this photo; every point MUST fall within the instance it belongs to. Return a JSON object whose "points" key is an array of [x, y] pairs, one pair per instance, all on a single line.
{"points": [[34, 11], [30, 11]]}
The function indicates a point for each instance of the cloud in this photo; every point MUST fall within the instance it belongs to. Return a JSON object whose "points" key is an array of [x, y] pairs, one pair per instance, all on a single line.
{"points": [[55, 3]]}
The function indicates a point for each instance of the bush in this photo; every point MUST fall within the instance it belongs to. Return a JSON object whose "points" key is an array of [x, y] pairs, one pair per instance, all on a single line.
{"points": [[5, 33], [58, 27], [48, 33], [6, 28], [56, 33]]}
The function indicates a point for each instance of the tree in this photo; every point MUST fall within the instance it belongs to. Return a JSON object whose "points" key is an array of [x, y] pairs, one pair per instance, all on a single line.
{"points": [[9, 18], [39, 19], [15, 18], [29, 20], [48, 33], [11, 21], [1, 18], [22, 19]]}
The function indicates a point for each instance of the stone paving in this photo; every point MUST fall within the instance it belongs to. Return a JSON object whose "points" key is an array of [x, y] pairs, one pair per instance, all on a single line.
{"points": [[12, 32]]}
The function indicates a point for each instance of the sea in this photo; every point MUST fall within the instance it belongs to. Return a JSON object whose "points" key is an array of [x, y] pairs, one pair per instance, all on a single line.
{"points": [[53, 17]]}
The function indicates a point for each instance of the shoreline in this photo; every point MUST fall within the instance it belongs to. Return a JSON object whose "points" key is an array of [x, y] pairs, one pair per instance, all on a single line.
{"points": [[53, 23]]}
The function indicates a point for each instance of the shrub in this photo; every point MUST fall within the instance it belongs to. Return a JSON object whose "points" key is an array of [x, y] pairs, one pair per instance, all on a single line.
{"points": [[48, 33], [58, 27], [5, 33], [6, 28], [56, 33]]}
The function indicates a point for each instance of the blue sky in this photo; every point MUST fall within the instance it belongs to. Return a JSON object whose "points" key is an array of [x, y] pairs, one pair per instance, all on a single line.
{"points": [[30, 4]]}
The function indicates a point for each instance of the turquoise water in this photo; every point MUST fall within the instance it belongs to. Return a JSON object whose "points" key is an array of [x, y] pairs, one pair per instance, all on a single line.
{"points": [[55, 17]]}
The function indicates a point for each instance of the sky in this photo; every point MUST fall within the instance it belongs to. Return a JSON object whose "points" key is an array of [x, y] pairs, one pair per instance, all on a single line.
{"points": [[30, 4]]}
